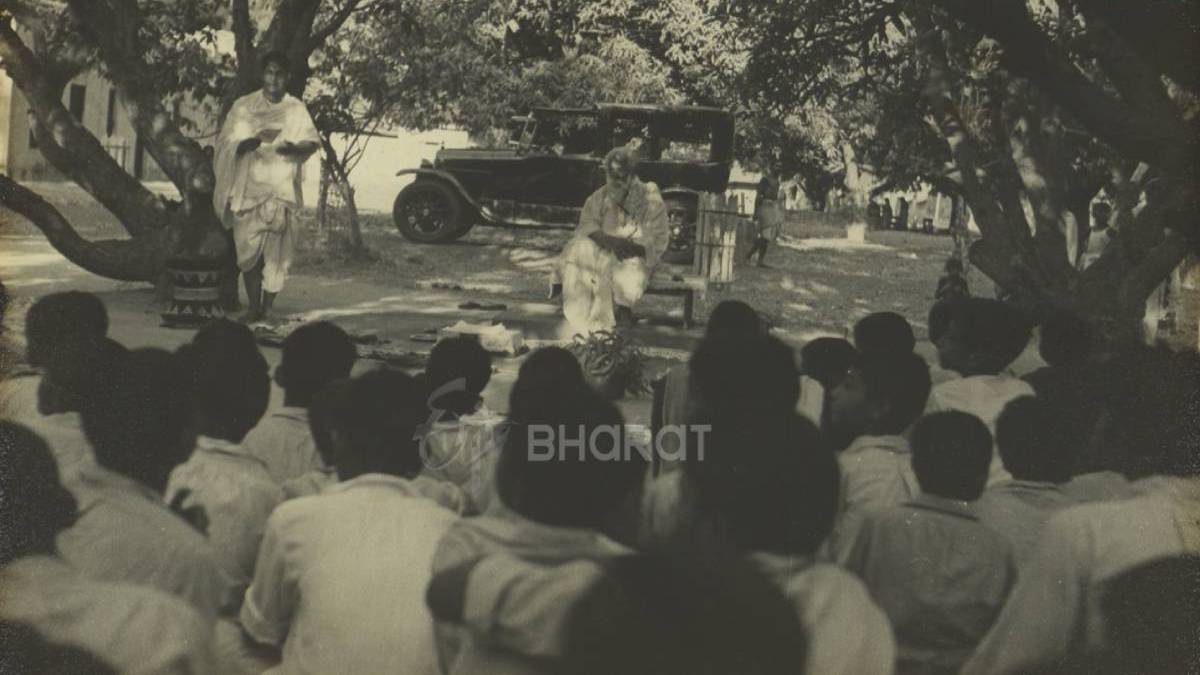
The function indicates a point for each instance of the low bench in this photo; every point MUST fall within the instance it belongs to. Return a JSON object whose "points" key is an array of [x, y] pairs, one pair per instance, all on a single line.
{"points": [[689, 285]]}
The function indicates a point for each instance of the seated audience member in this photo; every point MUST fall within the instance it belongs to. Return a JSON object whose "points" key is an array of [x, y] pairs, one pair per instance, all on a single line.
{"points": [[939, 574], [313, 355], [130, 629], [64, 333], [884, 333], [730, 320], [233, 489], [1152, 617], [874, 407], [1084, 547], [824, 363], [140, 427], [773, 487], [566, 489], [1032, 449], [460, 444], [550, 373], [340, 580], [978, 338], [700, 610]]}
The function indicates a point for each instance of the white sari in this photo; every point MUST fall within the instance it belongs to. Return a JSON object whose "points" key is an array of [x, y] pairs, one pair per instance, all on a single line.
{"points": [[257, 191]]}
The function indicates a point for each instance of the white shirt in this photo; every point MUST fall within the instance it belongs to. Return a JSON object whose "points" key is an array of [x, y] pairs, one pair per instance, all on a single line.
{"points": [[63, 432], [237, 494], [985, 397], [284, 443], [126, 533], [133, 629], [1054, 609], [1019, 509], [939, 574], [1098, 486], [340, 581], [876, 472], [847, 632], [464, 453]]}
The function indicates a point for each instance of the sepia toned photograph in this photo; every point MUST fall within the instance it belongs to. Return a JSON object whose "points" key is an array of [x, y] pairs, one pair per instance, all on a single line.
{"points": [[600, 337]]}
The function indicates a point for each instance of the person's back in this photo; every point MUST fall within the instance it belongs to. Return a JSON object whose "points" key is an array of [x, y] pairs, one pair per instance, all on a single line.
{"points": [[313, 355], [139, 428], [939, 574], [131, 628], [234, 489], [978, 338], [340, 579]]}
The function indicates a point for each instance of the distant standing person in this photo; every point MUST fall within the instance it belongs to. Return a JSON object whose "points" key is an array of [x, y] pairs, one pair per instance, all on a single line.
{"points": [[259, 158], [766, 218]]}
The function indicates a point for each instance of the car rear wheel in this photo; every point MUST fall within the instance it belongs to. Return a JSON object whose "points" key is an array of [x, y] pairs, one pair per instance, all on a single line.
{"points": [[681, 218], [430, 212]]}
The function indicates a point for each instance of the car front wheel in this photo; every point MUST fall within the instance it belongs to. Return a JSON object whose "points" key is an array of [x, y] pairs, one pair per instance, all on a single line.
{"points": [[429, 212]]}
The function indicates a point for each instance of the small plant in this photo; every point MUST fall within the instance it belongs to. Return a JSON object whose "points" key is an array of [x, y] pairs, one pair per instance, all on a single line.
{"points": [[612, 363]]}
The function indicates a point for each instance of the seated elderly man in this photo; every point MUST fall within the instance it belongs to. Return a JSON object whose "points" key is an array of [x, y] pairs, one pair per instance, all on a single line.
{"points": [[605, 268]]}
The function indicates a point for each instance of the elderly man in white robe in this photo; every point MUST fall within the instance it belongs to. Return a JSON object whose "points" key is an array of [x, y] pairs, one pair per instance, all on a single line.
{"points": [[259, 157], [605, 268]]}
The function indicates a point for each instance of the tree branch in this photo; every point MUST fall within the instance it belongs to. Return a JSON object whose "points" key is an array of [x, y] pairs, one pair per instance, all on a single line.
{"points": [[335, 22], [121, 259], [1028, 53], [71, 148], [1163, 32], [243, 31]]}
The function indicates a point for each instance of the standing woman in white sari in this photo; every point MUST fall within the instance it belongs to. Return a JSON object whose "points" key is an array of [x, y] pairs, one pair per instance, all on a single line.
{"points": [[259, 159]]}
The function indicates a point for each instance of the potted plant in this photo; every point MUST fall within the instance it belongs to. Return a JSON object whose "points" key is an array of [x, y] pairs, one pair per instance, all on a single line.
{"points": [[611, 362]]}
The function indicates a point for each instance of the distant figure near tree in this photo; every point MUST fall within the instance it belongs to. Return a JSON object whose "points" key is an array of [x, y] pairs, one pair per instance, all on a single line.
{"points": [[767, 219], [259, 157], [952, 285]]}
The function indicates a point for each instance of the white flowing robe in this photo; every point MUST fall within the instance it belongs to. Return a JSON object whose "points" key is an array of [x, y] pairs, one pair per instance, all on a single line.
{"points": [[256, 192], [592, 277]]}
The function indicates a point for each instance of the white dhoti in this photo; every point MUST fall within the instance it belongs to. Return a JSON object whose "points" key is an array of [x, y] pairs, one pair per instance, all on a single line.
{"points": [[265, 232], [594, 281]]}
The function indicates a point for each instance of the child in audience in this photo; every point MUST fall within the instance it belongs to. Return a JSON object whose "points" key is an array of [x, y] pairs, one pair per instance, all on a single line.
{"points": [[824, 363], [463, 434], [140, 426], [1054, 611], [885, 333], [773, 487], [340, 580], [313, 355], [1030, 440], [64, 333], [953, 284], [129, 628], [231, 387], [565, 495], [939, 574], [874, 407], [978, 338]]}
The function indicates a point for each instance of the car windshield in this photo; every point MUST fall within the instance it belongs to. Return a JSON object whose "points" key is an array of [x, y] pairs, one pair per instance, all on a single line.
{"points": [[686, 141], [566, 134]]}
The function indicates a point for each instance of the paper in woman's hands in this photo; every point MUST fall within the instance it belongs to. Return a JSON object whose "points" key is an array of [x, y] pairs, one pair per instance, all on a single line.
{"points": [[622, 248]]}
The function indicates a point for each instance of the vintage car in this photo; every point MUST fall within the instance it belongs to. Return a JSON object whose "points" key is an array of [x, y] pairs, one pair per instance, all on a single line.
{"points": [[553, 163]]}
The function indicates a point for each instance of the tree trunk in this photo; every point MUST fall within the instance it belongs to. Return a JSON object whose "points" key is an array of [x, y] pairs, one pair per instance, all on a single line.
{"points": [[356, 240]]}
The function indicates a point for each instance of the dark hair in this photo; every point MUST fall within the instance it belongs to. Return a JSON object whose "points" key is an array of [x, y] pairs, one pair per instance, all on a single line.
{"points": [[59, 322], [899, 381], [1152, 617], [775, 483], [278, 58], [951, 454], [1155, 411], [5, 299], [34, 506], [954, 265], [462, 368], [1064, 340], [230, 385], [312, 356], [586, 475], [988, 334], [546, 375], [26, 651], [137, 425], [376, 416], [323, 413], [1030, 440], [733, 319], [751, 377], [827, 359], [884, 332], [77, 375]]}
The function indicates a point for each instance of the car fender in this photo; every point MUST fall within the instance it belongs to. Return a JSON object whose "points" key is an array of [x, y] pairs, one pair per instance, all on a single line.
{"points": [[449, 179]]}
